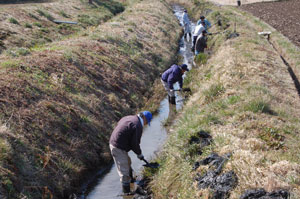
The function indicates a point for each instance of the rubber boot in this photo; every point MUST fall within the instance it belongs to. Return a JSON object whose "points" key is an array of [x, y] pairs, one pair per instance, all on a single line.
{"points": [[126, 188], [173, 100], [131, 175]]}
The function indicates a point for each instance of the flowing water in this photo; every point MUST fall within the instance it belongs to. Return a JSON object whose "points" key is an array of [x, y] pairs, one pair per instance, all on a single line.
{"points": [[108, 186]]}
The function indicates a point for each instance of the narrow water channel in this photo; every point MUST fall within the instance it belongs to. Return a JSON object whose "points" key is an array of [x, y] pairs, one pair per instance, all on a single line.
{"points": [[108, 186]]}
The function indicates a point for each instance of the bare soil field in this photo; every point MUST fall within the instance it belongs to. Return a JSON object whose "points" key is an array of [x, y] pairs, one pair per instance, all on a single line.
{"points": [[283, 16]]}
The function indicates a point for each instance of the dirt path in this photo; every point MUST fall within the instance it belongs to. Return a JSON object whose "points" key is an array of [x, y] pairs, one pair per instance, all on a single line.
{"points": [[234, 2], [283, 16]]}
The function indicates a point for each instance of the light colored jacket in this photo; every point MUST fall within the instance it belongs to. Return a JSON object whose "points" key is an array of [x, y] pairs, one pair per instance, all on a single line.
{"points": [[185, 18], [198, 30]]}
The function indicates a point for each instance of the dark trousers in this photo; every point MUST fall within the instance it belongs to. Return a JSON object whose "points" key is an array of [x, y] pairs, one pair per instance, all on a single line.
{"points": [[194, 42], [185, 35]]}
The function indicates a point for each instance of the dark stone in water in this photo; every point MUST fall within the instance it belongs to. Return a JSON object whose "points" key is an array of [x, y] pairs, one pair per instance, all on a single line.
{"points": [[262, 194]]}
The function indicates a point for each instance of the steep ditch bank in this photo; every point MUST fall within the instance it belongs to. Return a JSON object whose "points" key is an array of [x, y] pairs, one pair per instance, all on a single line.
{"points": [[28, 27], [59, 104], [247, 101]]}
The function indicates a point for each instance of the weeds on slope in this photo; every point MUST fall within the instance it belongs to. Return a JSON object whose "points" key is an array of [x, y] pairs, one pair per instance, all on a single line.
{"points": [[242, 101]]}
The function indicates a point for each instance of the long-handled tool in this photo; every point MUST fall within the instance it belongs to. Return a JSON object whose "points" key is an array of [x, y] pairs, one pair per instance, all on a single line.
{"points": [[153, 165], [184, 90]]}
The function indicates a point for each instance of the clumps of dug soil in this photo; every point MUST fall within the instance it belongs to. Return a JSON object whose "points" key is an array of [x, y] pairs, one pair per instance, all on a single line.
{"points": [[262, 194], [220, 183]]}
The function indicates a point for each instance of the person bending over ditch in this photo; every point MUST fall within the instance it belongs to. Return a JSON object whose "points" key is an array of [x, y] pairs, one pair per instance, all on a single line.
{"points": [[171, 76], [201, 43], [125, 137]]}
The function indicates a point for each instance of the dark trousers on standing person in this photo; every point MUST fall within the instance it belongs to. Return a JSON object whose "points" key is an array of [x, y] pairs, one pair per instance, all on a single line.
{"points": [[194, 42], [185, 35]]}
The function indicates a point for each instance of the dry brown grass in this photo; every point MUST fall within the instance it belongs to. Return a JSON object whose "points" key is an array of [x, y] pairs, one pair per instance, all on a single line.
{"points": [[35, 26], [60, 103]]}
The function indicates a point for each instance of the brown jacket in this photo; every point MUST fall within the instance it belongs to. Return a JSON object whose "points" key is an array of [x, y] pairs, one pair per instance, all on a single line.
{"points": [[127, 134]]}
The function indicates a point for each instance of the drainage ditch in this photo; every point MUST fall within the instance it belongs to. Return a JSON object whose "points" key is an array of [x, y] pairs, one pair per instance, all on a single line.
{"points": [[106, 184]]}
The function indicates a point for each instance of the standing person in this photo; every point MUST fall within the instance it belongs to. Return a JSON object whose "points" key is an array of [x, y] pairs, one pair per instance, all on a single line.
{"points": [[172, 75], [125, 137], [201, 43], [207, 24], [187, 24], [198, 31]]}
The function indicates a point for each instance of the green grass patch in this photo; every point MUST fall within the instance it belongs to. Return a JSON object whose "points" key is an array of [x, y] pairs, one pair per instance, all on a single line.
{"points": [[62, 13], [28, 25], [201, 58], [259, 106], [272, 137], [113, 6], [33, 16], [45, 14], [37, 24], [214, 91], [13, 21], [10, 64], [233, 99]]}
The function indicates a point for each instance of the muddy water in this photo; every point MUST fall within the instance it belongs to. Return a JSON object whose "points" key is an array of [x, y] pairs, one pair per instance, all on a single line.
{"points": [[108, 186]]}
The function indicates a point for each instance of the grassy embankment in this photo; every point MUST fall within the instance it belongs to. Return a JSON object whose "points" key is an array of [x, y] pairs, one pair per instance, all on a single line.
{"points": [[245, 97], [26, 27], [60, 102]]}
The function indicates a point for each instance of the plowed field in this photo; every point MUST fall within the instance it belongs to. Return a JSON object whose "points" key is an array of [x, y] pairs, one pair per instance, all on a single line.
{"points": [[284, 16]]}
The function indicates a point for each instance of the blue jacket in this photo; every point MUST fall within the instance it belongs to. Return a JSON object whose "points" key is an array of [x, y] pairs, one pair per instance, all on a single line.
{"points": [[207, 23], [172, 75]]}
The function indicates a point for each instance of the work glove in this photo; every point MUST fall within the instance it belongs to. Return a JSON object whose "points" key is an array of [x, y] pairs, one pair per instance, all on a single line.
{"points": [[141, 157]]}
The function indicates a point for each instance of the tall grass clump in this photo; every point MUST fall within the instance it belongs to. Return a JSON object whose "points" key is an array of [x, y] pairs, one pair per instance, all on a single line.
{"points": [[213, 91], [258, 106], [13, 21], [201, 58], [45, 14]]}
